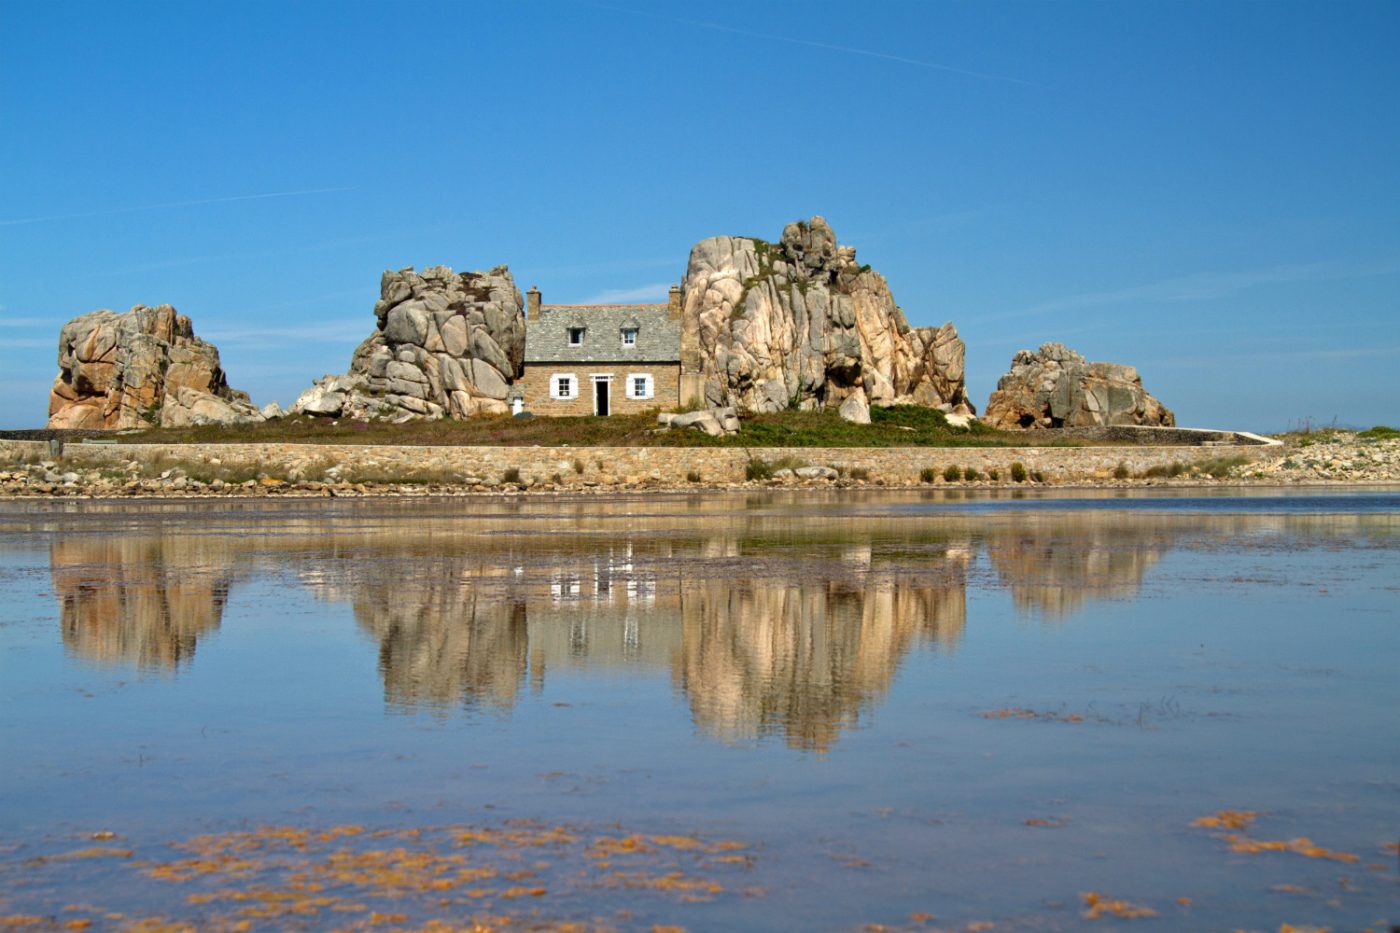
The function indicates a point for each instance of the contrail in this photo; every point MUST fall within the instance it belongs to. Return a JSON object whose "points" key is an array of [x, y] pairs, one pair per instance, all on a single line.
{"points": [[156, 207], [986, 76], [1208, 286]]}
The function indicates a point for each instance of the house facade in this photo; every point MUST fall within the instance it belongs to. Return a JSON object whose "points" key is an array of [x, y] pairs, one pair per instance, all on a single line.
{"points": [[599, 359]]}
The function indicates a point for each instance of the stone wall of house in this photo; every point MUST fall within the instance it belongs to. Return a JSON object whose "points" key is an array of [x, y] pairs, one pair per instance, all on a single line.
{"points": [[605, 466], [534, 383]]}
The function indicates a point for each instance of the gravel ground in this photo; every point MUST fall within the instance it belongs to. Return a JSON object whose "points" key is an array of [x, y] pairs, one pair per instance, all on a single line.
{"points": [[1335, 457]]}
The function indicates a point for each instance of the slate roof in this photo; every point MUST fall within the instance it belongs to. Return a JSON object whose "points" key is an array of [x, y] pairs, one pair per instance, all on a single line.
{"points": [[658, 337]]}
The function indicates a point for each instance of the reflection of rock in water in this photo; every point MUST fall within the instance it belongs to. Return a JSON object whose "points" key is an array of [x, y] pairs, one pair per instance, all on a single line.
{"points": [[803, 658], [444, 643], [135, 600], [1054, 568], [771, 623], [799, 654]]}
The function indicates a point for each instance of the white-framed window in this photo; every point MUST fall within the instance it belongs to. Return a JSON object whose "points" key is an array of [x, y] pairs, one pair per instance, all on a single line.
{"points": [[576, 336], [629, 336], [639, 386], [563, 386]]}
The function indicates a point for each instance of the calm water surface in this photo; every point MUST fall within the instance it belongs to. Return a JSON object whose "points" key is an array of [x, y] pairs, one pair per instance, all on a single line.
{"points": [[786, 711]]}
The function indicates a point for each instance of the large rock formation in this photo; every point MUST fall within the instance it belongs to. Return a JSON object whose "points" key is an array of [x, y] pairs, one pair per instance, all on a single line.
{"points": [[1054, 387], [800, 323], [445, 344], [140, 369]]}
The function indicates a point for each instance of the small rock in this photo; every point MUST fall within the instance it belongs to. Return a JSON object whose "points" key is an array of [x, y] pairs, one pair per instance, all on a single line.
{"points": [[854, 409], [959, 420]]}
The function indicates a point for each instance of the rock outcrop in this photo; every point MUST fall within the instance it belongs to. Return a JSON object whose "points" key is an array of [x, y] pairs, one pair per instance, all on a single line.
{"points": [[140, 369], [1055, 387], [445, 344], [800, 323], [715, 422]]}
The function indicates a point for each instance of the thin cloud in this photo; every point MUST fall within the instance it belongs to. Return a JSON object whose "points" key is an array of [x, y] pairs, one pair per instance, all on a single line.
{"points": [[846, 49], [614, 265], [366, 298], [617, 296], [18, 322], [1336, 354], [1204, 286], [940, 221], [337, 331], [323, 246], [30, 343], [156, 207]]}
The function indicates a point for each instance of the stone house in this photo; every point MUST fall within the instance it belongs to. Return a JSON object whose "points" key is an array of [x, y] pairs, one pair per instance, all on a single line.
{"points": [[599, 359]]}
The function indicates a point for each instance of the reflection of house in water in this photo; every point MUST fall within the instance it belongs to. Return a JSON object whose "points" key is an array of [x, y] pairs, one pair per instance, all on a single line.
{"points": [[135, 601], [799, 656], [758, 647], [764, 628], [601, 615]]}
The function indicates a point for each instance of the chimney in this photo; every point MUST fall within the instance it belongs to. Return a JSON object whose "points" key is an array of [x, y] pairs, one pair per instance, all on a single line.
{"points": [[532, 303], [673, 303]]}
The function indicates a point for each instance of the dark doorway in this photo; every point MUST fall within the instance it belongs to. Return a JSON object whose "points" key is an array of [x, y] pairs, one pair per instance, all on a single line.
{"points": [[600, 397]]}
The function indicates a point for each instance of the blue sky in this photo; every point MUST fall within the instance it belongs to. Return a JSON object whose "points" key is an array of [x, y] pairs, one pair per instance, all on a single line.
{"points": [[1208, 191]]}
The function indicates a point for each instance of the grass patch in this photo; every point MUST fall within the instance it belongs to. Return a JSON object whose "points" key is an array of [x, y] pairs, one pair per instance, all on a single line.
{"points": [[1218, 467], [321, 470], [952, 474], [1018, 472], [417, 476], [1164, 471], [927, 475], [759, 469], [23, 460], [1307, 436], [1381, 432], [899, 426], [207, 473]]}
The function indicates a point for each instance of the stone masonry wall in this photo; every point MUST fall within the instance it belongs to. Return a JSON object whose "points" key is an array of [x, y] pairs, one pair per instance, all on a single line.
{"points": [[669, 465], [665, 380]]}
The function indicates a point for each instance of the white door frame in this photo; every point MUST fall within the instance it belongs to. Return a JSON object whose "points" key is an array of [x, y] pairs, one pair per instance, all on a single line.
{"points": [[607, 379]]}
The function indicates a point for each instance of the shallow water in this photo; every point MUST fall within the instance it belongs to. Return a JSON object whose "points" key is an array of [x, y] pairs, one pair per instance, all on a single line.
{"points": [[786, 711]]}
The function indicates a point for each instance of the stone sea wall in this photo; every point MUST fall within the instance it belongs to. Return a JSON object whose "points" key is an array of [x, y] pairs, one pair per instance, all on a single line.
{"points": [[636, 466]]}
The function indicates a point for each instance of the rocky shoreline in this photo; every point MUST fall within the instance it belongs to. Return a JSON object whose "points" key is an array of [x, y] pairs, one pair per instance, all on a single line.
{"points": [[376, 490], [1331, 459]]}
